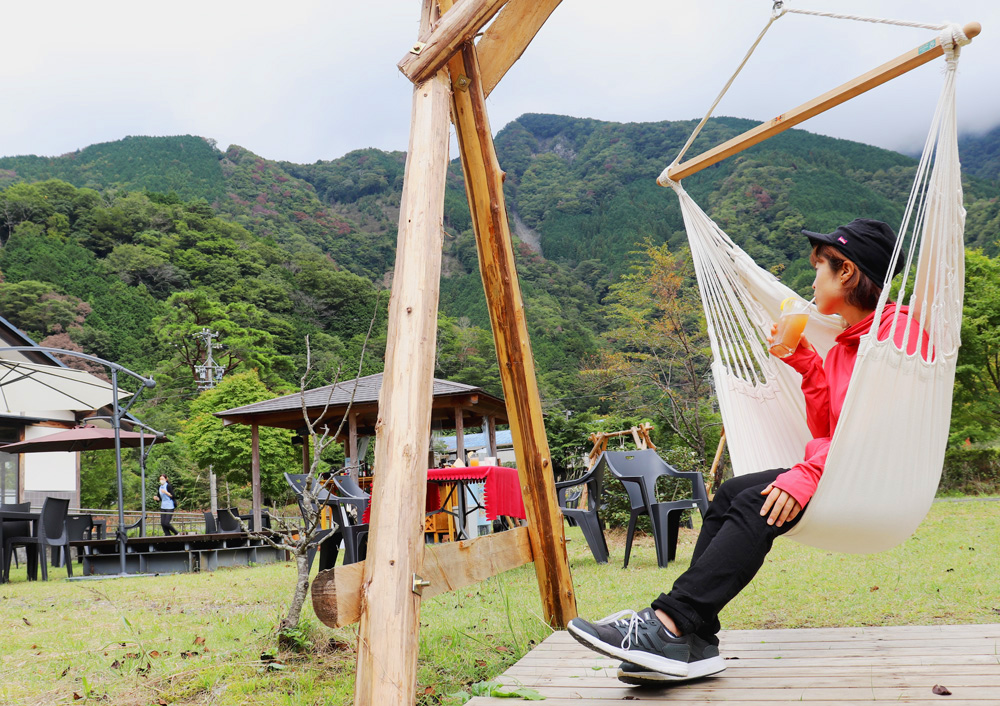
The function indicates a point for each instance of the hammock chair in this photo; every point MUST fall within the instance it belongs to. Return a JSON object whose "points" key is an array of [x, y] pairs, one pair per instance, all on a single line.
{"points": [[886, 455]]}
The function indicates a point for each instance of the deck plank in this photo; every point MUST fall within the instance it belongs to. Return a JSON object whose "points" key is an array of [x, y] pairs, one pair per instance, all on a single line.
{"points": [[818, 666]]}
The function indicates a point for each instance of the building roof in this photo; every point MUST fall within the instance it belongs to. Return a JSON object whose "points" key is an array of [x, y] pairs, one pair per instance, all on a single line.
{"points": [[286, 411]]}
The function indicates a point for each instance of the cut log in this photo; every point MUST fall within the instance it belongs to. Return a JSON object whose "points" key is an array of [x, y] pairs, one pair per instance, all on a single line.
{"points": [[484, 188], [843, 93], [336, 593], [388, 642], [508, 36], [456, 26]]}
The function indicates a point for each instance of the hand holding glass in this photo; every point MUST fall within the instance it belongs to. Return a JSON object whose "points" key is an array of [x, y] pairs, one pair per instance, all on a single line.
{"points": [[791, 324]]}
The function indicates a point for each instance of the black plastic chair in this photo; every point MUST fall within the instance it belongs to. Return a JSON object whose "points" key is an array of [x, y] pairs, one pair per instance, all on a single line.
{"points": [[229, 520], [211, 526], [638, 471], [50, 531], [329, 548], [587, 518], [78, 528], [17, 529], [350, 495]]}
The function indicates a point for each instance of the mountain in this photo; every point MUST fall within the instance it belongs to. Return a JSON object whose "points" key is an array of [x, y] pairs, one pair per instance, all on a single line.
{"points": [[309, 245], [980, 154]]}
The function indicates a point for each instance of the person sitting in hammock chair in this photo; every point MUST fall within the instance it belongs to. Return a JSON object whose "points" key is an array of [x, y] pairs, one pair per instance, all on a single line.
{"points": [[675, 638]]}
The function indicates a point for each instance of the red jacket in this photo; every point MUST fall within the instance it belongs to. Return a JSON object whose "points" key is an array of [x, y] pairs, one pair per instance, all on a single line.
{"points": [[825, 387]]}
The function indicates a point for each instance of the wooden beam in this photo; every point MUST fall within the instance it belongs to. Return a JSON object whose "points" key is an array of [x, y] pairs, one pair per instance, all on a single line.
{"points": [[336, 593], [876, 77], [388, 641], [484, 189], [457, 26], [459, 435], [257, 500], [508, 36], [352, 444]]}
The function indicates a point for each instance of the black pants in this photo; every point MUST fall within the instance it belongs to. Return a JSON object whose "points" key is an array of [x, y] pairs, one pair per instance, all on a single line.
{"points": [[731, 547], [165, 517]]}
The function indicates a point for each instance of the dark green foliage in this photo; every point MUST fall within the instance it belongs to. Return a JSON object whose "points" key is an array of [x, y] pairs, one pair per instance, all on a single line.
{"points": [[188, 166], [127, 248], [980, 154]]}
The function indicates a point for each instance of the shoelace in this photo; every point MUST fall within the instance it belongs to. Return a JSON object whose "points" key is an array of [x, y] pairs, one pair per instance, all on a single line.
{"points": [[628, 619]]}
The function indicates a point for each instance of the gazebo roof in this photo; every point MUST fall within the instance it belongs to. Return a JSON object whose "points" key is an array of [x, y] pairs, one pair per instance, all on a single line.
{"points": [[286, 411]]}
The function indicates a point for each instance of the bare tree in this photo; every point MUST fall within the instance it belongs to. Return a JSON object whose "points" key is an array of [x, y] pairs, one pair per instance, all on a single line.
{"points": [[304, 536]]}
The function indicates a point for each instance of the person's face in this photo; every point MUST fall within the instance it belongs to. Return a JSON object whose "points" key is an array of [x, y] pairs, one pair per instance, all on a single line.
{"points": [[163, 479], [828, 286]]}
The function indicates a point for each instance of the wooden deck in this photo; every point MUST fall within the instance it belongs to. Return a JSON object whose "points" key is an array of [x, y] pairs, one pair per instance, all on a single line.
{"points": [[822, 667]]}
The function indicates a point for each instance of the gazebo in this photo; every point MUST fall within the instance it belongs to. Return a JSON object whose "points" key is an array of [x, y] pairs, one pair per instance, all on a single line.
{"points": [[455, 406]]}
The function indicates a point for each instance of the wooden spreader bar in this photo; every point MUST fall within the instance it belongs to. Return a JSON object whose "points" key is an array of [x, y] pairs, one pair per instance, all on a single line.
{"points": [[876, 77]]}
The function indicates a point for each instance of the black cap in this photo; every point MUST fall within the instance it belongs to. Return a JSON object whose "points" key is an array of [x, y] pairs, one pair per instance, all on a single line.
{"points": [[866, 243]]}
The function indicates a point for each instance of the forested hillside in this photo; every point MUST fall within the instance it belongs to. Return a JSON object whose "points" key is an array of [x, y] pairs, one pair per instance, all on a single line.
{"points": [[127, 249]]}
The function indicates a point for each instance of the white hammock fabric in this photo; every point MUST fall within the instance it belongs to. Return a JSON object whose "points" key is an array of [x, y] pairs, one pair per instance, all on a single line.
{"points": [[887, 452]]}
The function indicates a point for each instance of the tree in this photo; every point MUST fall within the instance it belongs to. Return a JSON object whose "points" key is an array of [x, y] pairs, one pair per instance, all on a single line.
{"points": [[659, 360], [976, 406], [227, 449], [244, 341]]}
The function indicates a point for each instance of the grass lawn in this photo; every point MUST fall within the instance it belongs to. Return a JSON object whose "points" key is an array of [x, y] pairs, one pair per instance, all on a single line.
{"points": [[209, 638]]}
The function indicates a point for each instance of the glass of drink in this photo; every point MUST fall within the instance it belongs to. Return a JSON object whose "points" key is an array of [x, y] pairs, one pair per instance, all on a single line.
{"points": [[791, 324]]}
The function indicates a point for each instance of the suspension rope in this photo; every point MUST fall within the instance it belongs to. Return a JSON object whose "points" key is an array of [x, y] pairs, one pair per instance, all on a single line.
{"points": [[779, 5], [778, 10]]}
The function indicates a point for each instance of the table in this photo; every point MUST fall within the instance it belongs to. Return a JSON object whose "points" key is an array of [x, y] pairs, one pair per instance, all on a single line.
{"points": [[502, 494], [12, 516]]}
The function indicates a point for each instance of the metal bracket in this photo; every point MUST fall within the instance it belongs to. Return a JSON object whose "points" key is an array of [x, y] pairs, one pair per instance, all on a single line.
{"points": [[418, 47], [418, 585], [463, 82]]}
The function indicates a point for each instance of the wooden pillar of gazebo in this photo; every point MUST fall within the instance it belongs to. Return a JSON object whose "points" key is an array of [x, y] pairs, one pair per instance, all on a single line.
{"points": [[352, 444], [459, 434], [255, 476]]}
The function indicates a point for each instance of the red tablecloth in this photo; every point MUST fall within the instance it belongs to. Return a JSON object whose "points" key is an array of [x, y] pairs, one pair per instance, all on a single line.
{"points": [[503, 489], [501, 497]]}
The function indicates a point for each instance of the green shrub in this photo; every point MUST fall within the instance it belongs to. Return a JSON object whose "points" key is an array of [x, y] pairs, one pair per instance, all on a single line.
{"points": [[971, 470]]}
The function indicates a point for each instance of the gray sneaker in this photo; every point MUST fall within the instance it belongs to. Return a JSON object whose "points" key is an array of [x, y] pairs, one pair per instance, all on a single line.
{"points": [[639, 638], [703, 660]]}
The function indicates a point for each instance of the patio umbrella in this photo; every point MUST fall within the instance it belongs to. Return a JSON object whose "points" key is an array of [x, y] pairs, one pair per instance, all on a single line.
{"points": [[86, 438], [31, 386]]}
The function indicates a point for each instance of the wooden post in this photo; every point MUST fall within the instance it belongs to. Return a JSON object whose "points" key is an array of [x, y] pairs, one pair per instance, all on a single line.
{"points": [[459, 435], [491, 434], [352, 445], [508, 36], [255, 475], [484, 188], [387, 642], [843, 93]]}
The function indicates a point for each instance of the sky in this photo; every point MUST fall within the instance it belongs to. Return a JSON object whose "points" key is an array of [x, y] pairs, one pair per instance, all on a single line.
{"points": [[308, 80]]}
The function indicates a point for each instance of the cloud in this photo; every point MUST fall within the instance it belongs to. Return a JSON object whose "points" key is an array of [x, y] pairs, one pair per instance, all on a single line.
{"points": [[312, 80]]}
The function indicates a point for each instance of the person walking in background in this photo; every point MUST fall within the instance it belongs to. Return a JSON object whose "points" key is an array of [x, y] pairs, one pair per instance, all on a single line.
{"points": [[167, 506]]}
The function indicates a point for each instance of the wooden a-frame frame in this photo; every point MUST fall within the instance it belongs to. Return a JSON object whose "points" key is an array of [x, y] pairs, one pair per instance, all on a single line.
{"points": [[453, 75]]}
